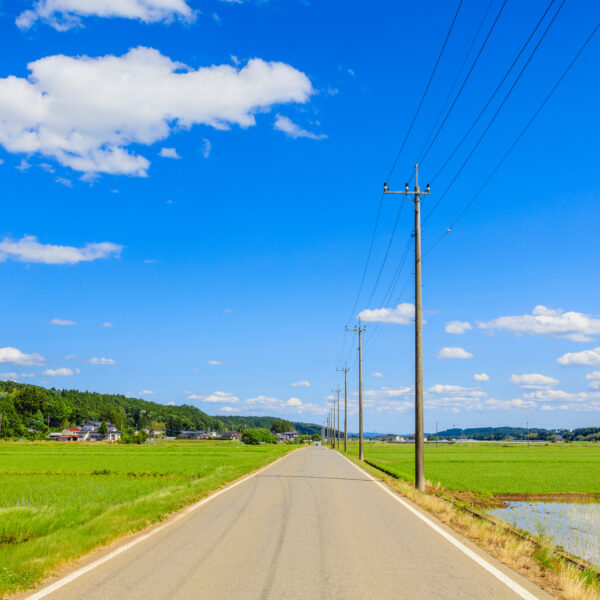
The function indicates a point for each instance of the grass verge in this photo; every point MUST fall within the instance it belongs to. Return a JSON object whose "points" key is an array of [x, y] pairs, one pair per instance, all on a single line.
{"points": [[540, 564]]}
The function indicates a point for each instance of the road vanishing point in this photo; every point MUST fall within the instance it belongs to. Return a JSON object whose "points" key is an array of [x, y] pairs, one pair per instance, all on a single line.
{"points": [[310, 526]]}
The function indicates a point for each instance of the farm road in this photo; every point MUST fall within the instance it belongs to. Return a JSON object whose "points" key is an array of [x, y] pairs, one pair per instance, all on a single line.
{"points": [[311, 526]]}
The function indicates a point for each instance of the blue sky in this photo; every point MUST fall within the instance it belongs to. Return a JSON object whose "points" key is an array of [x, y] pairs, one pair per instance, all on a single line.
{"points": [[190, 189]]}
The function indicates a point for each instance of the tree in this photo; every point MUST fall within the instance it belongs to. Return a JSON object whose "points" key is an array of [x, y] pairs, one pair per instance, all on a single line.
{"points": [[254, 437], [103, 429], [281, 426]]}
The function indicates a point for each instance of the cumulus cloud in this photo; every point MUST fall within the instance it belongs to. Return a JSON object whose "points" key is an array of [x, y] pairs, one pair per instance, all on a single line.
{"points": [[294, 402], [29, 250], [458, 327], [13, 376], [403, 314], [481, 377], [98, 360], [216, 398], [533, 381], [61, 322], [86, 112], [207, 148], [295, 131], [61, 372], [227, 409], [304, 384], [548, 322], [454, 352], [377, 374], [14, 356], [168, 153], [107, 324], [146, 393], [594, 379], [66, 14], [584, 358], [216, 363]]}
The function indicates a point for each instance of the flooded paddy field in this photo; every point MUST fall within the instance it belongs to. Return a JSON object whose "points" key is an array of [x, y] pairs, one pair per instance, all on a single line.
{"points": [[573, 526]]}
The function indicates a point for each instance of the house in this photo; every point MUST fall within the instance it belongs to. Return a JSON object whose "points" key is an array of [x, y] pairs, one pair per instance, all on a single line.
{"points": [[90, 432], [68, 434], [230, 435], [200, 434]]}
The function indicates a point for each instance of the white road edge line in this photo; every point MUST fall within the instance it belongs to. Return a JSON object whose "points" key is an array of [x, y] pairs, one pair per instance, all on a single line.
{"points": [[76, 574], [505, 579]]}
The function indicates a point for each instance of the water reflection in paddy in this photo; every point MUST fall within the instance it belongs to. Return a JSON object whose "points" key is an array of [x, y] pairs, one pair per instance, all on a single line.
{"points": [[575, 527]]}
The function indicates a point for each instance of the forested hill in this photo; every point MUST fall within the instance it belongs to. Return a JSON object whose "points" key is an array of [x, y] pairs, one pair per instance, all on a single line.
{"points": [[235, 422], [521, 433], [25, 406]]}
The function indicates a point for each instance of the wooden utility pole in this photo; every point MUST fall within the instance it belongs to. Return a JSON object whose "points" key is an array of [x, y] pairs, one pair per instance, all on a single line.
{"points": [[345, 369], [419, 429], [338, 418], [360, 331]]}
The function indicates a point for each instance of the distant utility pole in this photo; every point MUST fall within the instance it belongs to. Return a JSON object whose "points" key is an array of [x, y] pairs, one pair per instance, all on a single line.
{"points": [[528, 444], [360, 331], [338, 418], [436, 434], [419, 431], [345, 369], [333, 424]]}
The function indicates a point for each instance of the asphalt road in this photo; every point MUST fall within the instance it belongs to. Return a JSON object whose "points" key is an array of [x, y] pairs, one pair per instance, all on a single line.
{"points": [[311, 526]]}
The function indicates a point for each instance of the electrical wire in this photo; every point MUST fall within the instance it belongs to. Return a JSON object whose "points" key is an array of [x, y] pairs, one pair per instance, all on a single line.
{"points": [[512, 87], [464, 83], [517, 140], [432, 180], [437, 62]]}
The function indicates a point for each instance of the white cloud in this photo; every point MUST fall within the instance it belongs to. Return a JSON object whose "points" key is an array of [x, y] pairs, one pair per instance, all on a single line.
{"points": [[386, 392], [85, 112], [304, 384], [454, 352], [62, 322], [107, 324], [548, 394], [458, 327], [456, 389], [377, 374], [533, 381], [96, 360], [403, 314], [295, 131], [294, 402], [13, 376], [146, 393], [481, 377], [594, 379], [263, 401], [29, 250], [549, 323], [14, 356], [65, 14], [227, 409], [168, 153], [64, 181], [216, 398], [207, 148], [60, 372], [584, 358], [216, 362]]}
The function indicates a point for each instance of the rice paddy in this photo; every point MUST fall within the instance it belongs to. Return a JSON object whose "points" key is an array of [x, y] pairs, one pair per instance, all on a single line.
{"points": [[60, 501]]}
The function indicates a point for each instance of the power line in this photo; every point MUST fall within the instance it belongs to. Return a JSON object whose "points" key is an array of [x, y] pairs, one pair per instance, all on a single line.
{"points": [[460, 70], [462, 87], [437, 62], [493, 94], [512, 87], [518, 139]]}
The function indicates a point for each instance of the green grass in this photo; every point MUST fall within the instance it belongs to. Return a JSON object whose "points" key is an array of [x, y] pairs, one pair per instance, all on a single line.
{"points": [[59, 501], [496, 468]]}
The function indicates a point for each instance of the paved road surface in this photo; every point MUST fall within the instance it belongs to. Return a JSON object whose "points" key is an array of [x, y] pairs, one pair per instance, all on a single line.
{"points": [[311, 526]]}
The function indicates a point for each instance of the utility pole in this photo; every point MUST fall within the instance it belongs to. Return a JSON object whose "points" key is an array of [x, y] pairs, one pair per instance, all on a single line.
{"points": [[419, 430], [333, 424], [360, 331], [345, 369], [436, 434], [528, 438], [338, 418]]}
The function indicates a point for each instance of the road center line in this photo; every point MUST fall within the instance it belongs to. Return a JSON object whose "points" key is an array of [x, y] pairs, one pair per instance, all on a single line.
{"points": [[93, 565], [505, 579]]}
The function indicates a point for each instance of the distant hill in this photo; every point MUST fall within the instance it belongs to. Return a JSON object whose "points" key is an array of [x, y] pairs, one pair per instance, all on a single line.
{"points": [[235, 422], [520, 433], [24, 407]]}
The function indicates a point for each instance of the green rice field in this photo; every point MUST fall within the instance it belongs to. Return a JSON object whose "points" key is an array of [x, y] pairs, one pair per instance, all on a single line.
{"points": [[496, 468], [59, 501]]}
